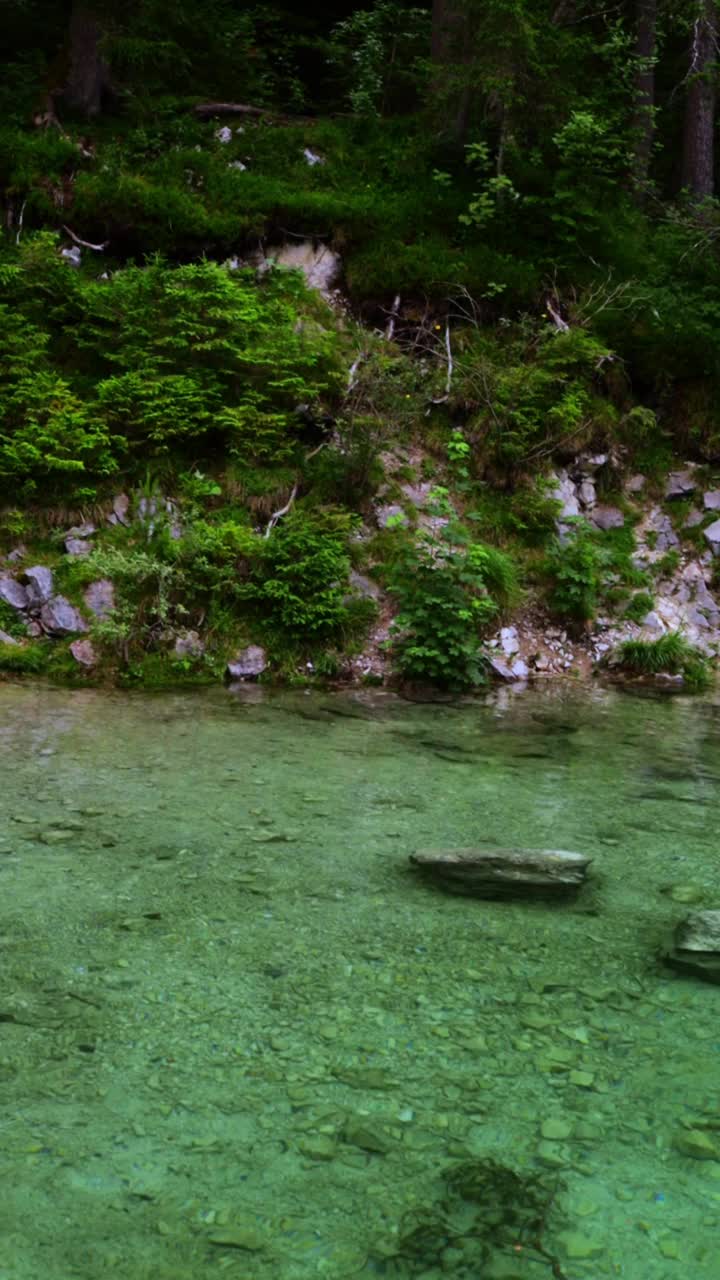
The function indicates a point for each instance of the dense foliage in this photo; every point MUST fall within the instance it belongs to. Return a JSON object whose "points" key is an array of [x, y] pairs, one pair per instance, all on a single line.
{"points": [[522, 196]]}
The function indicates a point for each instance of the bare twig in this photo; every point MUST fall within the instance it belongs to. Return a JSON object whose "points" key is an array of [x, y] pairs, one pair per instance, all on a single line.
{"points": [[390, 330], [561, 325], [206, 109], [352, 375], [99, 248], [448, 381], [20, 222], [278, 515]]}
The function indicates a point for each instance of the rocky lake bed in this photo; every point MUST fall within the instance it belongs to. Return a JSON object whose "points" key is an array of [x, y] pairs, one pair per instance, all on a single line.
{"points": [[238, 1033]]}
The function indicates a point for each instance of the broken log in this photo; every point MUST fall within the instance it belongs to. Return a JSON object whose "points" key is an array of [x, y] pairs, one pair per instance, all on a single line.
{"points": [[208, 109], [504, 873]]}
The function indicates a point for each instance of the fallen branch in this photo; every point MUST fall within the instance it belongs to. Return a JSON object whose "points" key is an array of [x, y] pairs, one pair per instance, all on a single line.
{"points": [[99, 248], [450, 366], [278, 515], [206, 109], [561, 325], [20, 221], [352, 375], [313, 452], [390, 330]]}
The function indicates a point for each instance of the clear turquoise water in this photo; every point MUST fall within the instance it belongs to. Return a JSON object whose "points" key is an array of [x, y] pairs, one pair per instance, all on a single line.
{"points": [[216, 970]]}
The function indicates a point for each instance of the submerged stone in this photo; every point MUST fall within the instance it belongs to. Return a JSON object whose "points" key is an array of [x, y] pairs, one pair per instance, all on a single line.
{"points": [[697, 1144], [368, 1135], [504, 872], [696, 946]]}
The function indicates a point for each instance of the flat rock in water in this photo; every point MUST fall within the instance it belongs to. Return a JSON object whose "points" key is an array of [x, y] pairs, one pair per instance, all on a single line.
{"points": [[696, 948], [504, 872]]}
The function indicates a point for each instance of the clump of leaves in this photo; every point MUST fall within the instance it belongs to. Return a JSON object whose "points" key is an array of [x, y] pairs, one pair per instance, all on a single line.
{"points": [[671, 654], [447, 592], [299, 583], [575, 566], [639, 607]]}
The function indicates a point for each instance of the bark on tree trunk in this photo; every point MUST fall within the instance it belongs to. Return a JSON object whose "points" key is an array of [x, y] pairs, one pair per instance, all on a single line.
{"points": [[450, 50], [699, 152], [644, 116], [88, 77]]}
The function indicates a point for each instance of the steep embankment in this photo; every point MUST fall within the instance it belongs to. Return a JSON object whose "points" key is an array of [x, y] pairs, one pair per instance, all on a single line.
{"points": [[324, 460]]}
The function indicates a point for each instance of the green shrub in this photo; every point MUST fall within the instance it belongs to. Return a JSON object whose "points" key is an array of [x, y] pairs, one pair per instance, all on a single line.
{"points": [[639, 607], [30, 659], [11, 622], [576, 568], [446, 594], [299, 583], [671, 654]]}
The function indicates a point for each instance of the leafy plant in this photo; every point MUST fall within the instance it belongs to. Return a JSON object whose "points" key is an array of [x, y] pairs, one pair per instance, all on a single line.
{"points": [[299, 582], [575, 567], [672, 653], [447, 592], [639, 607]]}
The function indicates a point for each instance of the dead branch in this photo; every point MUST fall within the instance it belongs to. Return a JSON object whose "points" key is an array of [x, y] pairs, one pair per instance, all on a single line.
{"points": [[352, 375], [278, 515], [20, 221], [207, 109], [448, 381], [392, 318], [561, 325], [99, 248]]}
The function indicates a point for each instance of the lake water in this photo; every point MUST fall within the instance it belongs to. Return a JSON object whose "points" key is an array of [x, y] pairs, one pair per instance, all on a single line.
{"points": [[237, 1036]]}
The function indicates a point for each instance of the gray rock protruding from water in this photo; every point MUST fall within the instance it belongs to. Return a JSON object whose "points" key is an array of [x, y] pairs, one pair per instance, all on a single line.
{"points": [[100, 597], [60, 618], [510, 671], [249, 663], [39, 584], [696, 946], [13, 593], [493, 873]]}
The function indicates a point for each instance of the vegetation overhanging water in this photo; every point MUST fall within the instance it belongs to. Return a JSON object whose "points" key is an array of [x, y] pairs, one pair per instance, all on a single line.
{"points": [[239, 1037]]}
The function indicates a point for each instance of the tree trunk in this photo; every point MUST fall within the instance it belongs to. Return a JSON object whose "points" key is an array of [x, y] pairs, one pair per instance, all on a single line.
{"points": [[699, 153], [644, 116], [88, 77], [451, 53]]}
